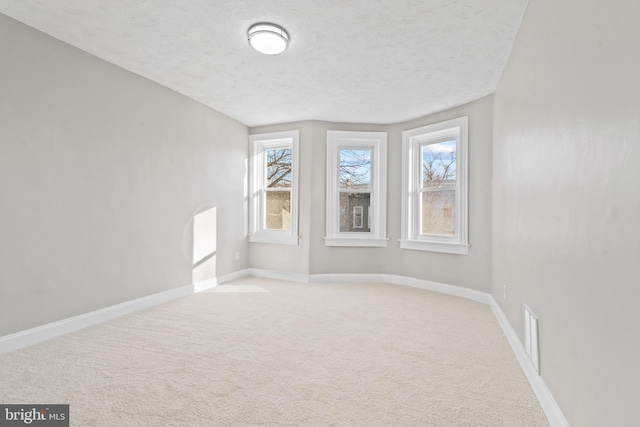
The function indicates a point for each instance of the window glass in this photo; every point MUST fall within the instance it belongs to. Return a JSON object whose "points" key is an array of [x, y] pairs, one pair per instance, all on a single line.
{"points": [[355, 168], [438, 189], [438, 164], [437, 213], [354, 212], [277, 212], [279, 167]]}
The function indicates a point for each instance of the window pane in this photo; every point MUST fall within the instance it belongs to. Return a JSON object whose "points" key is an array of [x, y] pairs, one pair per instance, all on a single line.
{"points": [[354, 212], [439, 165], [278, 210], [437, 213], [355, 168], [279, 168]]}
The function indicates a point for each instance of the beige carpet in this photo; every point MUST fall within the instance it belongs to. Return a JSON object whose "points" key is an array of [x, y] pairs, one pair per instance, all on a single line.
{"points": [[263, 352]]}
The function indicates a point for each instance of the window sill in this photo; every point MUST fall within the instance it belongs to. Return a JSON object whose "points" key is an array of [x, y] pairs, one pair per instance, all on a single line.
{"points": [[445, 248], [365, 242], [274, 239]]}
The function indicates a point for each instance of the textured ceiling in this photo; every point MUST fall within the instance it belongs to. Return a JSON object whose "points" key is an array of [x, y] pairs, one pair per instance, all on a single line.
{"points": [[358, 61]]}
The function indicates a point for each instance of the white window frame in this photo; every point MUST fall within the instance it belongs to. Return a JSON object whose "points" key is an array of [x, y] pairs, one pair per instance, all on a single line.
{"points": [[259, 144], [412, 141], [377, 142]]}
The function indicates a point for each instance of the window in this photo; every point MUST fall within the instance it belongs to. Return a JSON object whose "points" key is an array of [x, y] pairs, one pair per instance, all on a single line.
{"points": [[356, 189], [274, 188], [434, 193]]}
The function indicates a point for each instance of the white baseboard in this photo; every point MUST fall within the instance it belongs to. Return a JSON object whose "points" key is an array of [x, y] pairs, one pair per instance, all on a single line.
{"points": [[427, 285], [213, 282], [42, 333], [457, 291], [51, 330], [547, 402], [279, 275], [348, 277]]}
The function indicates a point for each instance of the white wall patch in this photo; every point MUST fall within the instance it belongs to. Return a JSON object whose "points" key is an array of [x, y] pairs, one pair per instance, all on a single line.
{"points": [[531, 337]]}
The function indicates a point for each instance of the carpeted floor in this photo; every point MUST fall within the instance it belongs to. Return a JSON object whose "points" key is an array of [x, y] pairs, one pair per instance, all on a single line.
{"points": [[264, 352]]}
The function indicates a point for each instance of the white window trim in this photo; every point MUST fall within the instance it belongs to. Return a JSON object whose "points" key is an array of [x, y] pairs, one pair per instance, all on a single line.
{"points": [[411, 141], [259, 143], [377, 141]]}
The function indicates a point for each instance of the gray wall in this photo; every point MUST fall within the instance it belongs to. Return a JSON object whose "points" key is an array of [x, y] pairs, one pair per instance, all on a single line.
{"points": [[101, 174], [313, 257], [566, 201]]}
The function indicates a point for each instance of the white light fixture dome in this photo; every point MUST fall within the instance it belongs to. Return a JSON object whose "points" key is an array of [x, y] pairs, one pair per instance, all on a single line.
{"points": [[269, 39]]}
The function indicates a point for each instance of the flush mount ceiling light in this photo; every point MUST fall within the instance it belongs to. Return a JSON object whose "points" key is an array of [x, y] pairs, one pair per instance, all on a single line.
{"points": [[269, 39]]}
